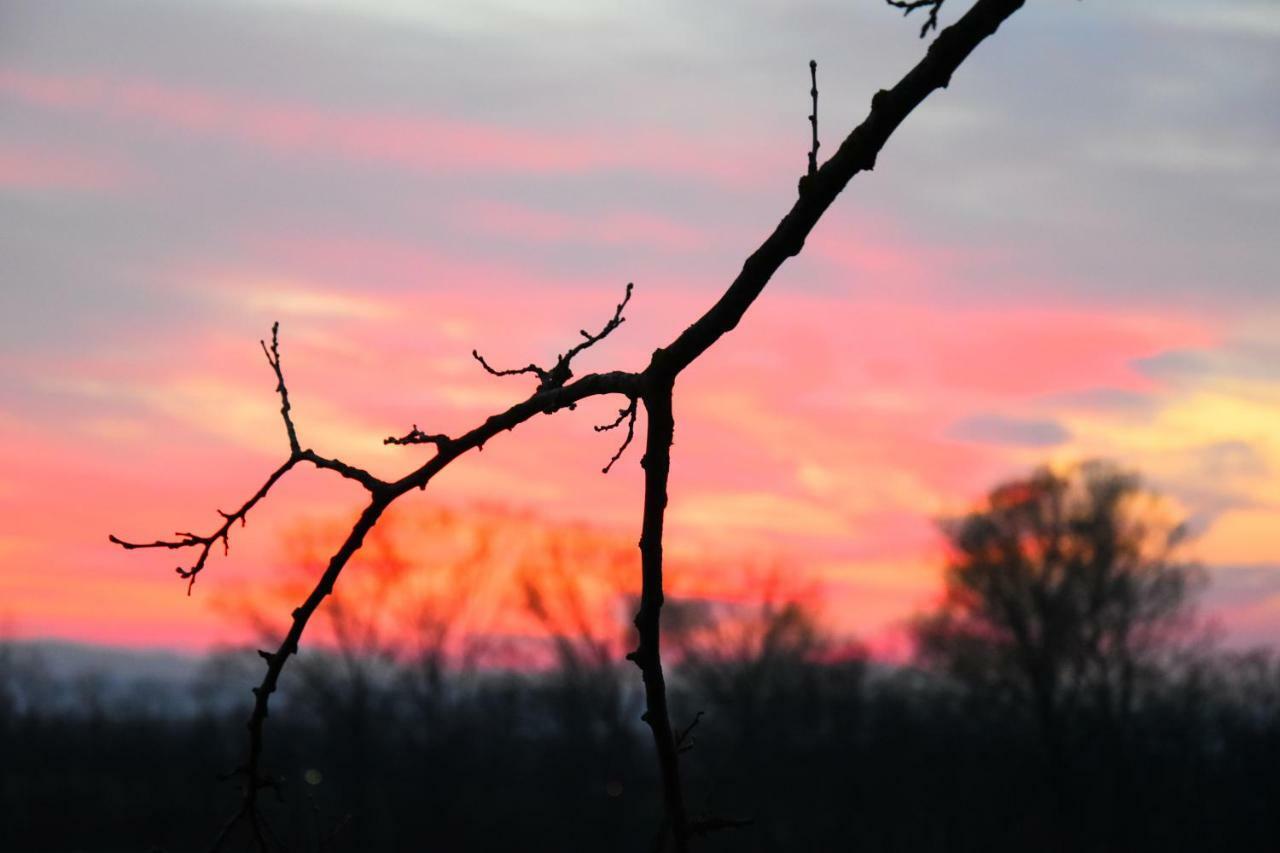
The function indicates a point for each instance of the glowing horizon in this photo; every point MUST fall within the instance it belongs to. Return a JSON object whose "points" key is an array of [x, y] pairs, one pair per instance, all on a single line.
{"points": [[1051, 262]]}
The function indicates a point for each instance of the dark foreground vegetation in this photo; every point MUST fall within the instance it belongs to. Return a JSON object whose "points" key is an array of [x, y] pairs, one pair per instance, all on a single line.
{"points": [[838, 755], [1062, 698]]}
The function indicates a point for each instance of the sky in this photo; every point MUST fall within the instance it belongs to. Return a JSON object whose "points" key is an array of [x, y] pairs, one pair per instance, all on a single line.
{"points": [[1070, 253]]}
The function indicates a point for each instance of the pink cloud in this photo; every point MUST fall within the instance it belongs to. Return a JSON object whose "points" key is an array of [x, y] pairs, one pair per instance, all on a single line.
{"points": [[816, 431], [877, 255], [610, 228], [399, 269], [411, 142], [28, 167], [939, 351]]}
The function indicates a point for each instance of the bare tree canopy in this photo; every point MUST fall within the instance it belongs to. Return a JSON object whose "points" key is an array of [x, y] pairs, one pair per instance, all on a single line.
{"points": [[1063, 590]]}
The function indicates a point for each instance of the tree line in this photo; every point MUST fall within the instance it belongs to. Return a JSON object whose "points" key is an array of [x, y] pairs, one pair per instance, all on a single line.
{"points": [[1062, 695]]}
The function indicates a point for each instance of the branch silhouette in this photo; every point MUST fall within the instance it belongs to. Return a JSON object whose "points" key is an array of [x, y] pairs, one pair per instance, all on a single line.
{"points": [[653, 386], [813, 117], [909, 6], [205, 543], [560, 372], [629, 415]]}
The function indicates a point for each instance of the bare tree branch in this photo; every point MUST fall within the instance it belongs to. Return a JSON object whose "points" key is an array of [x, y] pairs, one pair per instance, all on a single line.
{"points": [[560, 373], [296, 454], [417, 436], [909, 6], [546, 402], [273, 359], [629, 414], [206, 543], [683, 742], [648, 654], [351, 472], [857, 153], [813, 117], [254, 779], [589, 339], [654, 386], [544, 376]]}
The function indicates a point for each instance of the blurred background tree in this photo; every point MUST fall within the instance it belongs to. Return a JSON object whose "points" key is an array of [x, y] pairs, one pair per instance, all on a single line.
{"points": [[1069, 601]]}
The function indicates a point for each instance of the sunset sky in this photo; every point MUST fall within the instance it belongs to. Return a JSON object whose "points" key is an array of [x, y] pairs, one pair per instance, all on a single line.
{"points": [[1071, 252]]}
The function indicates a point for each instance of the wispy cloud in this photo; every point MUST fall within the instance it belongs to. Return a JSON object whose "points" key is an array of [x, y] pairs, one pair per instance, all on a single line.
{"points": [[31, 167], [415, 143], [1047, 265], [1018, 432]]}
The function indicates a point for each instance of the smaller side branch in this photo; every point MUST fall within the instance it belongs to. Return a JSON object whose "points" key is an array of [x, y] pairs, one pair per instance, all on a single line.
{"points": [[206, 543], [813, 117], [417, 436], [296, 453], [543, 402], [351, 472], [909, 6], [627, 413], [561, 372], [273, 359], [614, 322], [544, 376], [684, 743], [857, 153]]}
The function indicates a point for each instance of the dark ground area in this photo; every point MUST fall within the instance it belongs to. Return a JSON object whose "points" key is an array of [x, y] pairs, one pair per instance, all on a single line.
{"points": [[1063, 698], [821, 756]]}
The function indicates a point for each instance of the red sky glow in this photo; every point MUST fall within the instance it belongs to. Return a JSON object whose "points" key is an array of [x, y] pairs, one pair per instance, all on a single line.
{"points": [[1010, 287]]}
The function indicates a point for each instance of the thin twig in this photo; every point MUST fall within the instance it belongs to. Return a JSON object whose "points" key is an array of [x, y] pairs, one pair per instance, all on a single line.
{"points": [[561, 373], [683, 734], [909, 6], [543, 375], [417, 436], [813, 117], [273, 359], [206, 543], [629, 414]]}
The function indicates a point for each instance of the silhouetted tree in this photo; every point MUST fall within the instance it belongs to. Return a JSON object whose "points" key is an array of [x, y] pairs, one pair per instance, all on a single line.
{"points": [[1065, 594], [744, 656]]}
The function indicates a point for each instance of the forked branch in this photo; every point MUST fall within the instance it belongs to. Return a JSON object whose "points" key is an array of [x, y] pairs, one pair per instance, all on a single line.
{"points": [[222, 534], [629, 415], [909, 6], [561, 373], [654, 386], [205, 543]]}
